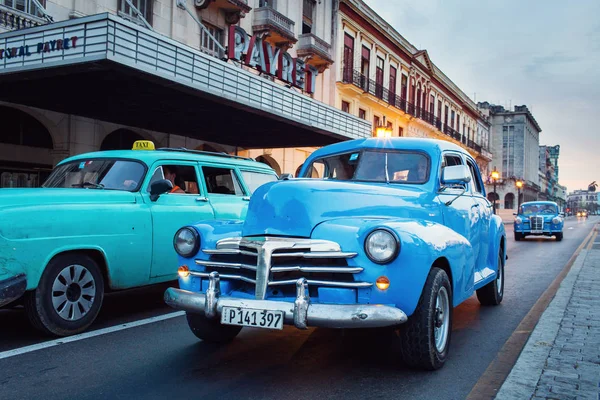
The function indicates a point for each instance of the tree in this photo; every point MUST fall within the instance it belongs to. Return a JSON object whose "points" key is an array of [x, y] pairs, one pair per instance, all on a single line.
{"points": [[592, 187]]}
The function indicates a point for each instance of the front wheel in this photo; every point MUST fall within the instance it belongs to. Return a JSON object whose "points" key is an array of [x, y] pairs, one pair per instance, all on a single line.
{"points": [[518, 236], [492, 293], [559, 237], [425, 338], [68, 297], [211, 330]]}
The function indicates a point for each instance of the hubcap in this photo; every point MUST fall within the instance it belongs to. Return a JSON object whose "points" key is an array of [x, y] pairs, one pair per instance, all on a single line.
{"points": [[441, 319], [500, 277], [73, 292]]}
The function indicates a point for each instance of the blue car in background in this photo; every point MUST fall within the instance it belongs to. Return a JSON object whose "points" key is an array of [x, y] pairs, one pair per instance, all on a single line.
{"points": [[539, 218], [395, 233]]}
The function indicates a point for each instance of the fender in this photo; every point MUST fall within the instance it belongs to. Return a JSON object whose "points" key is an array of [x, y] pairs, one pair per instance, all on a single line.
{"points": [[497, 235]]}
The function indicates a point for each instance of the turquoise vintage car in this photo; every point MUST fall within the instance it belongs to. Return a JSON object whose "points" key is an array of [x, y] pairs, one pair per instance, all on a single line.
{"points": [[539, 218], [396, 233], [106, 220]]}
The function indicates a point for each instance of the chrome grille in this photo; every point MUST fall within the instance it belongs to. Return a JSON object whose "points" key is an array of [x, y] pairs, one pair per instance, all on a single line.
{"points": [[537, 223], [269, 261]]}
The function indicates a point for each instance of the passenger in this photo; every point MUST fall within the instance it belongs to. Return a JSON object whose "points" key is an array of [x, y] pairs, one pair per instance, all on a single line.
{"points": [[170, 173]]}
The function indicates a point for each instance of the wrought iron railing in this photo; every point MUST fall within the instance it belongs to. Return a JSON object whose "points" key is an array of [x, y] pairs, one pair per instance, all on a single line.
{"points": [[352, 76], [13, 19]]}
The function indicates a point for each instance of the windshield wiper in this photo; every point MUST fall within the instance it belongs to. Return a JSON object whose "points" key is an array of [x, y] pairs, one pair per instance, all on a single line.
{"points": [[89, 184]]}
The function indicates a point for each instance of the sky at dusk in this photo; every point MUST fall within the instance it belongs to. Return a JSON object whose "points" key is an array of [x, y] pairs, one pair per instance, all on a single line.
{"points": [[541, 53]]}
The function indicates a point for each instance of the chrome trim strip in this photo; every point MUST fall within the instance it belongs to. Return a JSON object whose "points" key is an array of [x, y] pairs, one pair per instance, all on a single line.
{"points": [[217, 264], [352, 285], [322, 254], [223, 276], [341, 270], [229, 252]]}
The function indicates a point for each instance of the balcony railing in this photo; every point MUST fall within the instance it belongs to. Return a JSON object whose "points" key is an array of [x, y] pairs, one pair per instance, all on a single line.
{"points": [[267, 19], [12, 19], [372, 87], [309, 43]]}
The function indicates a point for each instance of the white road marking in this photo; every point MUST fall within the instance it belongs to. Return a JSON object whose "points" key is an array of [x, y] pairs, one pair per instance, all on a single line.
{"points": [[87, 335]]}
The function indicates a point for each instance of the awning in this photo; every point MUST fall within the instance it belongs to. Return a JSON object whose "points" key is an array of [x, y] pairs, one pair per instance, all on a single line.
{"points": [[107, 68]]}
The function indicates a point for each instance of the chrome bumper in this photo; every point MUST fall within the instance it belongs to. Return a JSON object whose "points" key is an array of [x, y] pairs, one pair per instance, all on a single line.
{"points": [[301, 313]]}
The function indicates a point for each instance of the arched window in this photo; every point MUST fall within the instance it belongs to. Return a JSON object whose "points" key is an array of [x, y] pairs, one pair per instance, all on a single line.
{"points": [[509, 201], [22, 129], [121, 139], [265, 159]]}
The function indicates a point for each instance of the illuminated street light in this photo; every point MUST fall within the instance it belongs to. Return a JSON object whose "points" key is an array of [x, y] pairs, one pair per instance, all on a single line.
{"points": [[519, 184], [495, 176], [383, 131]]}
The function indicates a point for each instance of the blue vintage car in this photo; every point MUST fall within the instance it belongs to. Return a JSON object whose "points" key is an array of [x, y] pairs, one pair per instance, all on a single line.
{"points": [[539, 218], [395, 233], [105, 221]]}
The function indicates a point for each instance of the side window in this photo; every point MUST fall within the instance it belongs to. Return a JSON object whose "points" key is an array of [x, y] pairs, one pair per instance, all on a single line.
{"points": [[256, 179], [450, 160], [477, 186], [183, 178], [222, 181]]}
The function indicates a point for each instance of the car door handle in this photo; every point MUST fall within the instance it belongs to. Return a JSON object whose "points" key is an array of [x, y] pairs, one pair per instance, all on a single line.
{"points": [[202, 199], [246, 198], [475, 205]]}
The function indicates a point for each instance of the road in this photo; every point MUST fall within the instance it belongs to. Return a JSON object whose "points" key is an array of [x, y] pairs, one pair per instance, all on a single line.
{"points": [[164, 360]]}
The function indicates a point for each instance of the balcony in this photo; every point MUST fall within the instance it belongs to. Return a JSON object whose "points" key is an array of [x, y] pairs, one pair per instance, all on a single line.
{"points": [[371, 87], [12, 19], [278, 27], [316, 49]]}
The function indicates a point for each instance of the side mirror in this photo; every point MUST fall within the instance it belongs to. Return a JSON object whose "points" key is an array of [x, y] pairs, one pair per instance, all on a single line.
{"points": [[160, 187], [562, 214], [456, 175], [286, 177]]}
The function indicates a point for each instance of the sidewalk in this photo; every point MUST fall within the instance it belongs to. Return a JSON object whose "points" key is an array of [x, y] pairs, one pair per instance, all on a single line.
{"points": [[561, 359]]}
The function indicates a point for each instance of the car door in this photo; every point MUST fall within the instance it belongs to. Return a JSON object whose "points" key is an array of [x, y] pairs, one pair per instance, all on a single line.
{"points": [[172, 211], [224, 191], [462, 216], [485, 216]]}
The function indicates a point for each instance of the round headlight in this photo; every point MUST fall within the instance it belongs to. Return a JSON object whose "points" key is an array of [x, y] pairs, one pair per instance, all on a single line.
{"points": [[518, 220], [381, 246], [186, 242], [556, 220]]}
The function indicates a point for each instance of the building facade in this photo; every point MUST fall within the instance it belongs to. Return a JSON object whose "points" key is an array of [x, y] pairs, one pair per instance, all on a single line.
{"points": [[382, 78], [579, 200], [220, 75], [515, 137]]}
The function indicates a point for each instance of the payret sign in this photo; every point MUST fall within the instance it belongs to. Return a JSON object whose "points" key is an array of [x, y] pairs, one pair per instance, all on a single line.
{"points": [[257, 53]]}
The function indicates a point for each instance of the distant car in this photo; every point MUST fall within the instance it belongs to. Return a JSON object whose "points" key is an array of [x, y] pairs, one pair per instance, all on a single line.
{"points": [[396, 234], [539, 218], [106, 220]]}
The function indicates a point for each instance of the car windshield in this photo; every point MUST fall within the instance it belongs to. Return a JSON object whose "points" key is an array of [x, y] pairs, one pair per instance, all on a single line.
{"points": [[97, 174], [373, 166], [529, 209]]}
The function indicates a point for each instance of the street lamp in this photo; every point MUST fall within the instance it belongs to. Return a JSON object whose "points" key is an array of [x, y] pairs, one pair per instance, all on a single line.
{"points": [[383, 130], [495, 177], [519, 184]]}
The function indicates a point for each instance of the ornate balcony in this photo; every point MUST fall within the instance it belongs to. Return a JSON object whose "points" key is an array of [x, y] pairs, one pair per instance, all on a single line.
{"points": [[12, 19], [234, 9], [278, 27], [315, 49]]}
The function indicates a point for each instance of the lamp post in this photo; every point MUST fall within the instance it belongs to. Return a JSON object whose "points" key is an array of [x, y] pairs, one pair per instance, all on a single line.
{"points": [[519, 184], [383, 131], [495, 177]]}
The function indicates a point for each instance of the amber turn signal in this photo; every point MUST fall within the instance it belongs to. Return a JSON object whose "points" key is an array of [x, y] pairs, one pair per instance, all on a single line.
{"points": [[183, 271], [382, 283]]}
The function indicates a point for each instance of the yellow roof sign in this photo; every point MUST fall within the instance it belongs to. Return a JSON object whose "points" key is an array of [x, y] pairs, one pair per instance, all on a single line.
{"points": [[143, 145]]}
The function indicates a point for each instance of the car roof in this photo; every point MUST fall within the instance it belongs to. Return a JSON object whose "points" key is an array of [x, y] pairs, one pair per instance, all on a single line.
{"points": [[431, 146], [151, 156], [539, 202]]}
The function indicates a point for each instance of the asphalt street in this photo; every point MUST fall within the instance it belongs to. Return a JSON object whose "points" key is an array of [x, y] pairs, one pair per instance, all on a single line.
{"points": [[165, 360]]}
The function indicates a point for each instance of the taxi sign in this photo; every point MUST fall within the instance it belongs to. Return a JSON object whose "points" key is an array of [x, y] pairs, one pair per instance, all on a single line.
{"points": [[143, 145]]}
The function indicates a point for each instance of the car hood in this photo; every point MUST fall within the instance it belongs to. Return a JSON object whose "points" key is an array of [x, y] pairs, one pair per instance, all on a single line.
{"points": [[48, 196], [296, 207]]}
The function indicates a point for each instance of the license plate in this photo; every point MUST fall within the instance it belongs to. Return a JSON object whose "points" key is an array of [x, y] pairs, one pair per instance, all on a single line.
{"points": [[252, 317], [536, 231]]}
